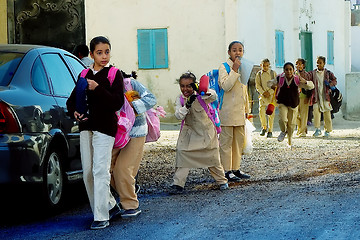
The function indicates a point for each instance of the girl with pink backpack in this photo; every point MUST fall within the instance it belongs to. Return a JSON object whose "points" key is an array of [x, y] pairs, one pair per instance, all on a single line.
{"points": [[98, 130], [126, 161], [197, 145], [287, 95]]}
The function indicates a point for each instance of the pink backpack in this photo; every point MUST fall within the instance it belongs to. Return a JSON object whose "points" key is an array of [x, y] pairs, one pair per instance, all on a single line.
{"points": [[126, 115], [152, 117]]}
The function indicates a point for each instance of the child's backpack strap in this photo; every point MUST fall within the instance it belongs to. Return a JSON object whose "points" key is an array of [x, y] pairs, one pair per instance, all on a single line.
{"points": [[182, 102], [112, 74], [84, 72], [297, 80], [227, 67], [206, 109]]}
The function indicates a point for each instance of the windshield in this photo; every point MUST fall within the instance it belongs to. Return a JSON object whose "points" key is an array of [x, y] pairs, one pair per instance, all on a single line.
{"points": [[8, 65]]}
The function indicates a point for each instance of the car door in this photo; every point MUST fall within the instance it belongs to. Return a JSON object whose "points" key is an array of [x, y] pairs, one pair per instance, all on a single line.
{"points": [[62, 79]]}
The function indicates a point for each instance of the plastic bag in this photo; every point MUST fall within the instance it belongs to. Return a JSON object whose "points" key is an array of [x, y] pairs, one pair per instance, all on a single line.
{"points": [[249, 128]]}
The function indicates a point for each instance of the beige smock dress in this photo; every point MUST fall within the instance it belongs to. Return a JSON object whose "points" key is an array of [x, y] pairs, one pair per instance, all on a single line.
{"points": [[197, 145]]}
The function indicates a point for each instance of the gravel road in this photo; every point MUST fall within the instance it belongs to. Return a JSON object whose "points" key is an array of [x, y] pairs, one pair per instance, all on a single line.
{"points": [[270, 160]]}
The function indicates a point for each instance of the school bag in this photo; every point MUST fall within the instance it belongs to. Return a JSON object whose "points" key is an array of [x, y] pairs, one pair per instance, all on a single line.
{"points": [[214, 84], [335, 99], [126, 115], [152, 117]]}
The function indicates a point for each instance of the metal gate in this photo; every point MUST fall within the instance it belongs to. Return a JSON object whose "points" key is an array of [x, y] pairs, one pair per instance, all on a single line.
{"points": [[57, 23]]}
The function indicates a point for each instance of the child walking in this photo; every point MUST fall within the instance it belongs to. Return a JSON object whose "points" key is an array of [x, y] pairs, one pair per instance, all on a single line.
{"points": [[304, 99], [197, 145], [233, 113], [288, 85], [323, 80], [97, 132], [126, 162], [265, 96]]}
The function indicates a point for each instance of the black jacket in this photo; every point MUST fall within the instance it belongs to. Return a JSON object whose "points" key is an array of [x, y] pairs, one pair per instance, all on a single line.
{"points": [[102, 102]]}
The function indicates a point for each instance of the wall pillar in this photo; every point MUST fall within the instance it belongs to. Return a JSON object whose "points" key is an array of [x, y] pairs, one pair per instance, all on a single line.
{"points": [[3, 21]]}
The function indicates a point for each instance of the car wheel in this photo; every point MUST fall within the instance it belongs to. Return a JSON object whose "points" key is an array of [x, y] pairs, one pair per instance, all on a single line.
{"points": [[53, 179]]}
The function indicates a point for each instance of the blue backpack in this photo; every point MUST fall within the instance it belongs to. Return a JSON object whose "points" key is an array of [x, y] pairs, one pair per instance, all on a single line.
{"points": [[214, 84]]}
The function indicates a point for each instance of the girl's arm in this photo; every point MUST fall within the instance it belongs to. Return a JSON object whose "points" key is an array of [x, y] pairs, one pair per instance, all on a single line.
{"points": [[146, 101], [227, 81], [308, 85], [180, 111]]}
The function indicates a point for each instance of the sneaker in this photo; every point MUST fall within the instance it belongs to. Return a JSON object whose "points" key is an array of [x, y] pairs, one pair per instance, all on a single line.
{"points": [[263, 131], [176, 189], [317, 132], [302, 135], [309, 123], [224, 186], [241, 174], [137, 188], [114, 211], [231, 177], [130, 213], [326, 134], [99, 224], [269, 135], [281, 137]]}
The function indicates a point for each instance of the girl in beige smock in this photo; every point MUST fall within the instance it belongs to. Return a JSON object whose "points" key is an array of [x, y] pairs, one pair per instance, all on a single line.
{"points": [[197, 145]]}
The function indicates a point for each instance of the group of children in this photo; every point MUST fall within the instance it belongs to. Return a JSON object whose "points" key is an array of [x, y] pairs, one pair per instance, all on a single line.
{"points": [[301, 90], [199, 144]]}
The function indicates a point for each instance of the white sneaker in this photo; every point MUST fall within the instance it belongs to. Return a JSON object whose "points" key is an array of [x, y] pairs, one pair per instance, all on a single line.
{"points": [[281, 137]]}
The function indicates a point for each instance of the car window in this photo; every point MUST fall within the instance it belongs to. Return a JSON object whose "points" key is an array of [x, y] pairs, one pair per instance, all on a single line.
{"points": [[8, 65], [76, 65], [61, 78], [38, 77]]}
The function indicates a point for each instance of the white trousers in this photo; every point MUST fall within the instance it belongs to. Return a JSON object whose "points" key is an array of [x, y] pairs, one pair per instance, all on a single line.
{"points": [[95, 148]]}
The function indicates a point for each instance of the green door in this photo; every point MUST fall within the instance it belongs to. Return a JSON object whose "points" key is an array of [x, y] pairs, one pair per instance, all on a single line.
{"points": [[306, 49]]}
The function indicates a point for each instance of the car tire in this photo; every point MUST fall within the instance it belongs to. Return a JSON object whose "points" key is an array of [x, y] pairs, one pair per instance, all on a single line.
{"points": [[53, 179]]}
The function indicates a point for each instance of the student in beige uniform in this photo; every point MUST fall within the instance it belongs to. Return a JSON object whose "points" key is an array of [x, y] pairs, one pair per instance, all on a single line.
{"points": [[287, 95], [265, 96], [233, 112], [197, 145], [304, 99], [323, 80]]}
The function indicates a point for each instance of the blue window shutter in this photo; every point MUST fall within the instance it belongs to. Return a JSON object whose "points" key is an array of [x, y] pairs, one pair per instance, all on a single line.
{"points": [[145, 50], [282, 55], [330, 47], [279, 48], [160, 48]]}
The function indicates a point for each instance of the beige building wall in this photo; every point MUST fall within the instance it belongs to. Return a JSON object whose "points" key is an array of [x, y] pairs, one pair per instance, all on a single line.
{"points": [[197, 39], [3, 21]]}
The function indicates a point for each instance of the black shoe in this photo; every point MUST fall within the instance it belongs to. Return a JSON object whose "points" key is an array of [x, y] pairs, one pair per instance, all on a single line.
{"points": [[115, 211], [231, 177], [99, 224], [263, 131], [176, 189], [241, 175], [269, 135], [130, 213]]}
